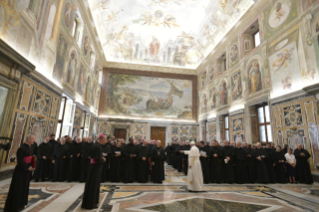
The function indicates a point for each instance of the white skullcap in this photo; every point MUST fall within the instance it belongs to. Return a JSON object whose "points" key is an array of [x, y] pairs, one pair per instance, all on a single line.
{"points": [[192, 143]]}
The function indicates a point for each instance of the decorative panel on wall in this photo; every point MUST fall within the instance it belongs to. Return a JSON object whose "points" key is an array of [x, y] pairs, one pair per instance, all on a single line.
{"points": [[139, 131], [36, 111], [183, 133], [295, 123], [211, 131], [237, 131]]}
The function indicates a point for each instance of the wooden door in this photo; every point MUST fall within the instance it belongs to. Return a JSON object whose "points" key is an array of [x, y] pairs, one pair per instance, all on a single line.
{"points": [[158, 133], [120, 133]]}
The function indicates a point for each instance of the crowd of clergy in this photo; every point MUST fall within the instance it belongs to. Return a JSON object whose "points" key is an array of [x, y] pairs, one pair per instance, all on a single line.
{"points": [[230, 162], [67, 159]]}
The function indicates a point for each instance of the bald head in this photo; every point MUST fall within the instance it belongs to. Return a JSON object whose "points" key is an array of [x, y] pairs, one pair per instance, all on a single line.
{"points": [[226, 143], [299, 146], [90, 139], [158, 143]]}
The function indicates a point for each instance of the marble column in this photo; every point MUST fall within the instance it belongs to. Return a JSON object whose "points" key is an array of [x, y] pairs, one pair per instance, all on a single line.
{"points": [[57, 21]]}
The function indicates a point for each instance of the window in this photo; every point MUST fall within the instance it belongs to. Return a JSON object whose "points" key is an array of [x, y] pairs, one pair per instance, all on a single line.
{"points": [[226, 128], [3, 97], [264, 127], [66, 118], [100, 77], [257, 39]]}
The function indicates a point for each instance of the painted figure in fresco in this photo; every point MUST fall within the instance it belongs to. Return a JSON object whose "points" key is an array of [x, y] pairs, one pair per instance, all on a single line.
{"points": [[154, 47], [204, 103], [211, 72], [71, 69], [68, 15], [86, 45], [286, 83], [223, 93], [254, 77], [234, 53], [237, 90], [80, 81], [58, 67], [284, 57], [213, 99], [42, 103], [279, 11], [87, 90]]}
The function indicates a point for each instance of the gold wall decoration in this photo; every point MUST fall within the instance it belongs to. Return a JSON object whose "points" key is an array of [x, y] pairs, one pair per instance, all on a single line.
{"points": [[223, 4], [10, 16]]}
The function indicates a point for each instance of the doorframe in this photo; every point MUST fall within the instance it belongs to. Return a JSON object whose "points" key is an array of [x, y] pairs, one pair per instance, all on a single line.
{"points": [[121, 126], [166, 126]]}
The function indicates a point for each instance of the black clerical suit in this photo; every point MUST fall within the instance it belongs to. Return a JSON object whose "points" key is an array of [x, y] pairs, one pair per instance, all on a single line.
{"points": [[279, 168], [215, 164], [17, 197], [116, 165], [204, 163], [91, 193], [228, 168], [250, 165], [158, 158], [261, 166], [106, 149], [240, 165], [59, 157], [43, 165], [143, 165], [129, 153], [85, 160], [302, 167]]}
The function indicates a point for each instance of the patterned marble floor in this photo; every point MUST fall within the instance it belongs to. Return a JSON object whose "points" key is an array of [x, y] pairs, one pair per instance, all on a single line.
{"points": [[172, 196]]}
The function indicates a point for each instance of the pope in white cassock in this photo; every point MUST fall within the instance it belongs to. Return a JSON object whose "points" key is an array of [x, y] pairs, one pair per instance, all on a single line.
{"points": [[195, 175]]}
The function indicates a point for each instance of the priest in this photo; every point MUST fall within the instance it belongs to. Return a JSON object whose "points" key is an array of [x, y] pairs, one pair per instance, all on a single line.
{"points": [[143, 165], [107, 154], [279, 168], [158, 159], [204, 155], [17, 198], [215, 165], [227, 163], [87, 145], [59, 161], [75, 150], [195, 175], [270, 161], [260, 154], [250, 163], [302, 166], [117, 163], [129, 153], [240, 164], [43, 161], [91, 193]]}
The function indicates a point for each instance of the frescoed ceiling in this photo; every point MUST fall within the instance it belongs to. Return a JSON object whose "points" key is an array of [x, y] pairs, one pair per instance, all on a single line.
{"points": [[172, 33]]}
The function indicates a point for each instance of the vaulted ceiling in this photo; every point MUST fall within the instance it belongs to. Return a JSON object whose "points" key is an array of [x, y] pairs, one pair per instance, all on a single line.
{"points": [[169, 33]]}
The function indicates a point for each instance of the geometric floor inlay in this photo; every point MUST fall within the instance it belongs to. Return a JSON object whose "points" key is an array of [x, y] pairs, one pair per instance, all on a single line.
{"points": [[202, 204]]}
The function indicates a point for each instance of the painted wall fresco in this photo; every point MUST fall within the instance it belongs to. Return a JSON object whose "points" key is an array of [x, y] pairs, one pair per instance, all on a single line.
{"points": [[296, 122], [211, 131], [130, 95]]}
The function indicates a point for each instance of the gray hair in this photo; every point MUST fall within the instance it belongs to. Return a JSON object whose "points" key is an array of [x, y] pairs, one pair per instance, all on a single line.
{"points": [[29, 136]]}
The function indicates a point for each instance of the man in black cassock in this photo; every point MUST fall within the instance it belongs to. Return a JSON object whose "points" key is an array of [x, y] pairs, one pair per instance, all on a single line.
{"points": [[75, 150], [91, 193], [129, 169], [187, 147], [85, 160], [250, 164], [168, 153], [59, 160], [143, 165], [42, 170], [17, 198], [68, 149], [279, 160], [215, 165], [227, 163], [204, 155], [270, 161], [158, 160], [260, 154], [107, 154], [240, 164], [302, 166], [53, 142], [179, 155], [117, 163]]}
